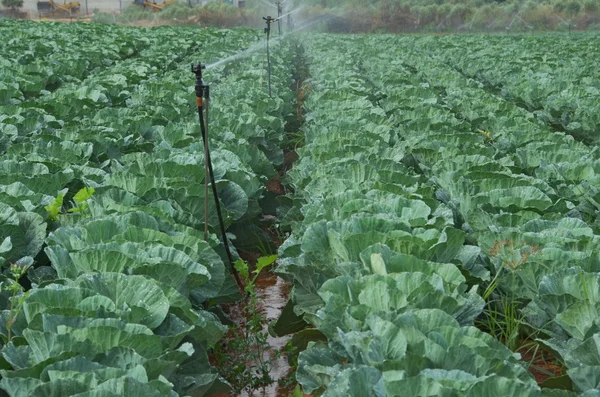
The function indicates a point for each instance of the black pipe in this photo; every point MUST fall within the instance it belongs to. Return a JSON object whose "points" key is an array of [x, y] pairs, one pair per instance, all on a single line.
{"points": [[279, 11], [203, 92], [268, 21]]}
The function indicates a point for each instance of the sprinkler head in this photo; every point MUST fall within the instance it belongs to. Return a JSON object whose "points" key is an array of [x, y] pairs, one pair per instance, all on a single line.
{"points": [[201, 87], [198, 68], [268, 21]]}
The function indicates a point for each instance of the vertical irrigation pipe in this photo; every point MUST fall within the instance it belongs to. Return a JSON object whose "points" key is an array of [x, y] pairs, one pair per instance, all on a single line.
{"points": [[202, 102], [206, 164], [268, 21], [279, 16]]}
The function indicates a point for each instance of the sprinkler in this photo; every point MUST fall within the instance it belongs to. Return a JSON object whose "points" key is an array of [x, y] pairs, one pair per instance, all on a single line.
{"points": [[279, 12], [268, 21], [202, 102]]}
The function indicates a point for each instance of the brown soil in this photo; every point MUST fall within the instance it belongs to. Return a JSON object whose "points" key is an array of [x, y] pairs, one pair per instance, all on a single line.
{"points": [[542, 364], [273, 293], [274, 184], [289, 159]]}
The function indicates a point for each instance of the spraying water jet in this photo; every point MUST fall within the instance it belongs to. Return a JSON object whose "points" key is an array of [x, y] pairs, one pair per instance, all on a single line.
{"points": [[257, 46], [291, 12]]}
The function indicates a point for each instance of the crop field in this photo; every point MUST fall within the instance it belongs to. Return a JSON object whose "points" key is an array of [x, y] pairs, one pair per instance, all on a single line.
{"points": [[433, 203]]}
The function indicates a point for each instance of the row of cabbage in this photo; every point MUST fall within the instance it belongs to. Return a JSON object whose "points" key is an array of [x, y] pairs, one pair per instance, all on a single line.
{"points": [[553, 76], [42, 57], [417, 186], [532, 210], [122, 286]]}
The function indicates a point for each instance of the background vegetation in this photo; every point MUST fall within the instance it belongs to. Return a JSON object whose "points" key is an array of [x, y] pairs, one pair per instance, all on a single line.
{"points": [[374, 16], [217, 14], [458, 15], [393, 16]]}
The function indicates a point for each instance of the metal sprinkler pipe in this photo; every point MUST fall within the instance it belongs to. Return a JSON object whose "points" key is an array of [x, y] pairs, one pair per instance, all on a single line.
{"points": [[202, 103], [268, 21], [279, 12]]}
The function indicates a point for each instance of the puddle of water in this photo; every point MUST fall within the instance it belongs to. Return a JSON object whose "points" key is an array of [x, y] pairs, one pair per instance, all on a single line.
{"points": [[273, 293]]}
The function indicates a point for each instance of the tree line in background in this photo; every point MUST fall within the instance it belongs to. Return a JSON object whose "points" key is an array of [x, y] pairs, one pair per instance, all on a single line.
{"points": [[12, 6], [458, 15], [383, 16]]}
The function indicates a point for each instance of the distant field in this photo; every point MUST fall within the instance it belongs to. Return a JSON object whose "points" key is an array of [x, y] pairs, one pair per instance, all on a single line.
{"points": [[104, 5]]}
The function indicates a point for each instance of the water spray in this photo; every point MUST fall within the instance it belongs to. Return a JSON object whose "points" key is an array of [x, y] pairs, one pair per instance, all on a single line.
{"points": [[258, 46], [202, 103], [268, 21], [568, 23], [491, 24]]}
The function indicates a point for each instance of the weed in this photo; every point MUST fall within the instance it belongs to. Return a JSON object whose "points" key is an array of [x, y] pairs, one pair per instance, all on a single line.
{"points": [[502, 316], [298, 392], [80, 200], [16, 304], [291, 352], [79, 206], [293, 140], [264, 248], [242, 358]]}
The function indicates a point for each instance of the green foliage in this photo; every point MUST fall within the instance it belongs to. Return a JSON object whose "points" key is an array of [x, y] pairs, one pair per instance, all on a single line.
{"points": [[80, 200], [177, 11], [12, 4], [55, 208], [18, 296], [450, 16], [104, 17], [106, 201], [444, 182], [136, 13], [80, 205], [445, 218]]}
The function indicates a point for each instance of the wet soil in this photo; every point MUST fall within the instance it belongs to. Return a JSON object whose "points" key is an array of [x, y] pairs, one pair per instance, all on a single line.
{"points": [[273, 293], [274, 185], [542, 364]]}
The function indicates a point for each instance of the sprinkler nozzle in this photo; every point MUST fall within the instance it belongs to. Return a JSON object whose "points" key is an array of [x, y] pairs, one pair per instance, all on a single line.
{"points": [[201, 87], [198, 68], [268, 21]]}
